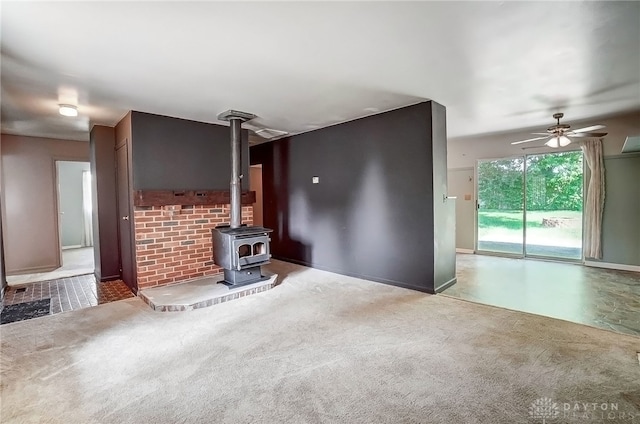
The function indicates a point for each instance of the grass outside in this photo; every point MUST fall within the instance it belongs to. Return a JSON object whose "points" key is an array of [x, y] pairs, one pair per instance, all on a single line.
{"points": [[506, 226]]}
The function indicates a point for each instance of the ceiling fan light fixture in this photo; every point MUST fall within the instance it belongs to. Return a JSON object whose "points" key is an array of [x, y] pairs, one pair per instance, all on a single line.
{"points": [[559, 132], [558, 141], [553, 142], [68, 110]]}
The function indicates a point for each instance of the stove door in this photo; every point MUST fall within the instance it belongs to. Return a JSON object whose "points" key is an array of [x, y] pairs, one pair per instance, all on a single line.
{"points": [[251, 251]]}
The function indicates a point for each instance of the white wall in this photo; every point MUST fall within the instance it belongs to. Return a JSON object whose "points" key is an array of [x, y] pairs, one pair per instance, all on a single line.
{"points": [[461, 184]]}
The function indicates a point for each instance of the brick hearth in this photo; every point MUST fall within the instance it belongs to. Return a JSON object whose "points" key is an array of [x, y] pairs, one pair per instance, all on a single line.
{"points": [[173, 246]]}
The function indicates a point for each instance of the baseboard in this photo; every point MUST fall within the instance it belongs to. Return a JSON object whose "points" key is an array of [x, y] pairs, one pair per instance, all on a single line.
{"points": [[354, 275], [73, 246], [467, 251], [107, 278], [446, 285], [608, 265], [35, 270]]}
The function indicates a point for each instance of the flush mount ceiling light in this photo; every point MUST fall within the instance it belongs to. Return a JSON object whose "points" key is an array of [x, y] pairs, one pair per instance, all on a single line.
{"points": [[68, 110]]}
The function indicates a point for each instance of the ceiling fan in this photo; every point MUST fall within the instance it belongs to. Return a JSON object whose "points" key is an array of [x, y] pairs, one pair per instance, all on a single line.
{"points": [[559, 134]]}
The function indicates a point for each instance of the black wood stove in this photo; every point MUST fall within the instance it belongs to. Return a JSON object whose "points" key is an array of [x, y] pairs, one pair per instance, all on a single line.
{"points": [[239, 249]]}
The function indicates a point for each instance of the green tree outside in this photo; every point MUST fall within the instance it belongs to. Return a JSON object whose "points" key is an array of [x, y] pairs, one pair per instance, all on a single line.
{"points": [[554, 183]]}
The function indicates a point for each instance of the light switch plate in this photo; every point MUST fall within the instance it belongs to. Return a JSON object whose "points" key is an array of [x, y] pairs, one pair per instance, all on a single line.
{"points": [[315, 180]]}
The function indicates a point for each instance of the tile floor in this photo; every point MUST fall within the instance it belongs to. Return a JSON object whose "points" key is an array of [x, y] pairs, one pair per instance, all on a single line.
{"points": [[597, 297], [68, 294]]}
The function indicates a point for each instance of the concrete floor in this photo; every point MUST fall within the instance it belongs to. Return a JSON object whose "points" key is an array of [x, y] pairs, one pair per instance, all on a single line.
{"points": [[74, 262], [597, 297]]}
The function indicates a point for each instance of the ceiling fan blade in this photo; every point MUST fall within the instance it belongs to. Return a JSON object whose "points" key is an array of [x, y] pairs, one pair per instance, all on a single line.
{"points": [[547, 134], [534, 147], [526, 141], [595, 135], [587, 129]]}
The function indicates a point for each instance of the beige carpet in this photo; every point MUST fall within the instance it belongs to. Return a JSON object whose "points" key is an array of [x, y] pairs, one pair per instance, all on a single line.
{"points": [[319, 348]]}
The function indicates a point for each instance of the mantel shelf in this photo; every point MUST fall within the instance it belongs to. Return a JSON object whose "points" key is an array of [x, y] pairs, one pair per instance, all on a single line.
{"points": [[188, 197]]}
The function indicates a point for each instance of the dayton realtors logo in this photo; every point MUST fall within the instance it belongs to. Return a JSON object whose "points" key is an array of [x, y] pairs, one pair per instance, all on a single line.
{"points": [[545, 410]]}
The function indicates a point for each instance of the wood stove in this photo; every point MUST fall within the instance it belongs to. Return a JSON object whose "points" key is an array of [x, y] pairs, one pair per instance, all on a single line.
{"points": [[239, 250]]}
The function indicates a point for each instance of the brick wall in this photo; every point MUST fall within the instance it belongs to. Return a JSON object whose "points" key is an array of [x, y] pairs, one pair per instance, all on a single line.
{"points": [[171, 249]]}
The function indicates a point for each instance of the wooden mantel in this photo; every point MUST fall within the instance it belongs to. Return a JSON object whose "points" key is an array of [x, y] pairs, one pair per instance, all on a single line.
{"points": [[188, 197]]}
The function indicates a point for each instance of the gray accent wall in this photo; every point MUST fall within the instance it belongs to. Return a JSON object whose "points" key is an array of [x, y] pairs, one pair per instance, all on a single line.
{"points": [[178, 154], [371, 214], [105, 220], [621, 217]]}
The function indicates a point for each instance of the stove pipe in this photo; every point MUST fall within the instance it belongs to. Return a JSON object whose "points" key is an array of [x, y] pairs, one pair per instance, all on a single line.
{"points": [[236, 169], [236, 118]]}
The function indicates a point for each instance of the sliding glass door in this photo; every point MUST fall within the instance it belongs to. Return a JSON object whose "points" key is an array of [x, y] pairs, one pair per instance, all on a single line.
{"points": [[554, 205], [531, 205], [501, 206]]}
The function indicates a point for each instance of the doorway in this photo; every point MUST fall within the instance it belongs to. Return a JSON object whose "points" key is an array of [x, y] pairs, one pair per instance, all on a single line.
{"points": [[255, 184], [531, 206], [73, 216], [75, 222]]}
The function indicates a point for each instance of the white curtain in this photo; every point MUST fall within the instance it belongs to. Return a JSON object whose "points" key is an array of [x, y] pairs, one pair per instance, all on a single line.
{"points": [[594, 205], [87, 209]]}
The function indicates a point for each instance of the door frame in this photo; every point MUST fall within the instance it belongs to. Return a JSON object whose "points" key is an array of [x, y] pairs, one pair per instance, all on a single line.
{"points": [[524, 254], [56, 203], [524, 204]]}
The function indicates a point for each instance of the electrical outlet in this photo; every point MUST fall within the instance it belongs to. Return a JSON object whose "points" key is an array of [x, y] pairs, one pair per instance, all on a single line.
{"points": [[315, 180]]}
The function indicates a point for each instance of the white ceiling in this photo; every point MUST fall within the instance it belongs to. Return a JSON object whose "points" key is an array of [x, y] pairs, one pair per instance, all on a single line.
{"points": [[496, 66]]}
